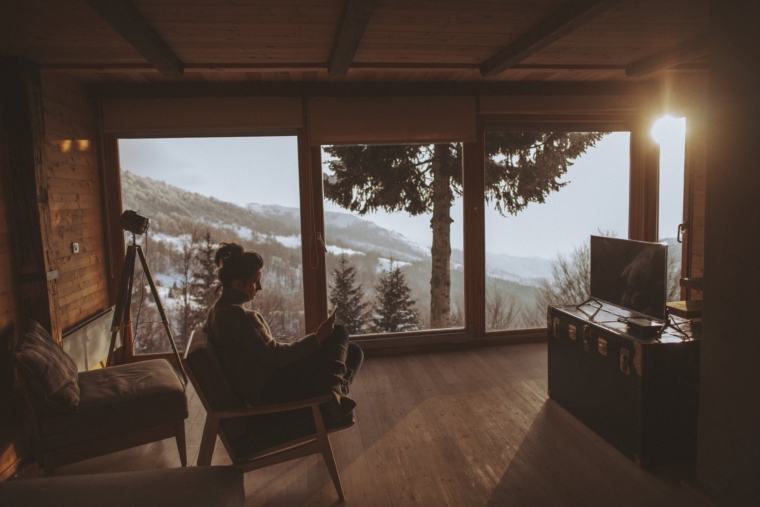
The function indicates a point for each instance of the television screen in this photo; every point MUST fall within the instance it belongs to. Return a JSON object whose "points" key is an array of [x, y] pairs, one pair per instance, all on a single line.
{"points": [[631, 274]]}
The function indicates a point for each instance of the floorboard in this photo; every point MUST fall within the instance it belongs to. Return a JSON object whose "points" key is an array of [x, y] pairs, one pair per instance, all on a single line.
{"points": [[463, 428]]}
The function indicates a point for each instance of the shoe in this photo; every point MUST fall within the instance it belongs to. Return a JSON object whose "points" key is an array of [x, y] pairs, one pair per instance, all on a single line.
{"points": [[348, 378], [338, 408]]}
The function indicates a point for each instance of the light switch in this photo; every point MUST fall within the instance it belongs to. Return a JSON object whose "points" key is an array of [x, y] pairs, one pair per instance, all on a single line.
{"points": [[75, 247]]}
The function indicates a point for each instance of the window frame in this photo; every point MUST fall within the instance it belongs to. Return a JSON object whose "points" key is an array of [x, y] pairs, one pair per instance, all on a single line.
{"points": [[643, 205]]}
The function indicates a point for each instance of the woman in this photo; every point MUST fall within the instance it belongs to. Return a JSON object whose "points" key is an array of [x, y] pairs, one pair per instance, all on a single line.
{"points": [[263, 370]]}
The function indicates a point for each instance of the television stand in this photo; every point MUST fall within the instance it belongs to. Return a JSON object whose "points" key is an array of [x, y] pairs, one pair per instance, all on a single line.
{"points": [[639, 393]]}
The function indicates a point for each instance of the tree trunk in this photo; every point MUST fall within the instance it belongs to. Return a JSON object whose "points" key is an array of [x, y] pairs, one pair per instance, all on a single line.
{"points": [[440, 280]]}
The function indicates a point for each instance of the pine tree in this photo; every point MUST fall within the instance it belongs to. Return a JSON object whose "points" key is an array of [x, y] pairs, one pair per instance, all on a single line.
{"points": [[520, 168], [346, 297], [394, 309], [204, 278], [188, 316]]}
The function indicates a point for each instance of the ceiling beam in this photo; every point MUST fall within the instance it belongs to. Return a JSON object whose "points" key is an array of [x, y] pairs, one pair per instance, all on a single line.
{"points": [[353, 22], [130, 24], [682, 53], [219, 67], [564, 20]]}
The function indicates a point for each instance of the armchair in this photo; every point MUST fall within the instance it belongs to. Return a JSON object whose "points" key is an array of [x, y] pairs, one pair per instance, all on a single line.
{"points": [[260, 436], [103, 411]]}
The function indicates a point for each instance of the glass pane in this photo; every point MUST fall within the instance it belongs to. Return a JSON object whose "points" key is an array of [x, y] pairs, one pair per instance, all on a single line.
{"points": [[539, 218], [670, 134], [393, 230], [202, 192]]}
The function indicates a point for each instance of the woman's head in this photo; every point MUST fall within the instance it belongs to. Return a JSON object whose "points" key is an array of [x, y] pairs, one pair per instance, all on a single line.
{"points": [[239, 269]]}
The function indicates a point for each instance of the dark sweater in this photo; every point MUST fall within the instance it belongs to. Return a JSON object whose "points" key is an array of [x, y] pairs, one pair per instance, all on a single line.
{"points": [[245, 347]]}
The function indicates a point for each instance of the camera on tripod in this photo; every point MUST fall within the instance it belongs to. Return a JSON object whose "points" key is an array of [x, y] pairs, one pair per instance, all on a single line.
{"points": [[137, 224], [133, 222]]}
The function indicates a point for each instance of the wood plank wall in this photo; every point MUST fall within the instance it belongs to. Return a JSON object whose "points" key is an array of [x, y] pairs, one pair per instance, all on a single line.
{"points": [[13, 445], [72, 178], [73, 174]]}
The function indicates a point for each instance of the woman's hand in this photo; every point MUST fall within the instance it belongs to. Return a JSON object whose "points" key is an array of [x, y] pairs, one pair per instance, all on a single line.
{"points": [[326, 328]]}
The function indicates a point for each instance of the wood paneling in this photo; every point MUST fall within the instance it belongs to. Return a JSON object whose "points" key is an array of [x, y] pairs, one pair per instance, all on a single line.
{"points": [[129, 23], [564, 20], [13, 442], [414, 33], [72, 168], [461, 428], [729, 404]]}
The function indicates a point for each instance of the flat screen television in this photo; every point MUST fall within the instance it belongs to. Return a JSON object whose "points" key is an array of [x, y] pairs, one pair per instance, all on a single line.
{"points": [[631, 274]]}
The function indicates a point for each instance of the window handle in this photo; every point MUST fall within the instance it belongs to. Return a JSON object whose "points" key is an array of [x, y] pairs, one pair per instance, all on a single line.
{"points": [[682, 228]]}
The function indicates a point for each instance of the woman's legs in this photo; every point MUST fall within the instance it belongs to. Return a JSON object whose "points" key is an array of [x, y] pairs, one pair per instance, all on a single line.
{"points": [[325, 370], [354, 357]]}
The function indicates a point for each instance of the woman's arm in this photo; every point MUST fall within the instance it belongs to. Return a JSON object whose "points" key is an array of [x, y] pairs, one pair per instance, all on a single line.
{"points": [[251, 333]]}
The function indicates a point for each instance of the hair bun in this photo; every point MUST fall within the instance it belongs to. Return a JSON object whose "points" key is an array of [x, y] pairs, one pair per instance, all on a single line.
{"points": [[227, 251]]}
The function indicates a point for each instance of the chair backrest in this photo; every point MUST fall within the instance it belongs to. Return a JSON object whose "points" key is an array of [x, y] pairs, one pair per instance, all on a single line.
{"points": [[210, 381]]}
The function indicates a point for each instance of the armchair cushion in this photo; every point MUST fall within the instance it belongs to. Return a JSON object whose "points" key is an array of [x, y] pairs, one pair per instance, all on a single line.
{"points": [[117, 400], [48, 372]]}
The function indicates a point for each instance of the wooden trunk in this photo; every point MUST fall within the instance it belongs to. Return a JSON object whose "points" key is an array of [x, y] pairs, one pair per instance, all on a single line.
{"points": [[640, 394]]}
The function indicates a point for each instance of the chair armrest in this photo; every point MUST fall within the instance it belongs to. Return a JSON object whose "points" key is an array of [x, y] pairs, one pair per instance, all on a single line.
{"points": [[269, 409]]}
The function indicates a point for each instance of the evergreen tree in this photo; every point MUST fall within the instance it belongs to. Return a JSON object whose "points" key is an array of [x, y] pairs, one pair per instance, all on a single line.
{"points": [[520, 168], [394, 309], [188, 314], [204, 278], [346, 297]]}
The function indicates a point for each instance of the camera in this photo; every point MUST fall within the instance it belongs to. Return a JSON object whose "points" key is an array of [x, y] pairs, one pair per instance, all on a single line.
{"points": [[133, 222]]}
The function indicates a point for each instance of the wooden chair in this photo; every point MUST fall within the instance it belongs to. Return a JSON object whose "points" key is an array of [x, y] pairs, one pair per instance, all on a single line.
{"points": [[260, 436]]}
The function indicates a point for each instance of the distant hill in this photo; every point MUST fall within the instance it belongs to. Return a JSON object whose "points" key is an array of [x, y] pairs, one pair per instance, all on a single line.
{"points": [[171, 209]]}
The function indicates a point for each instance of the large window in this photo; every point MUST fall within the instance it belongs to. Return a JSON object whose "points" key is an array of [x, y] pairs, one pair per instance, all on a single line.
{"points": [[199, 192], [393, 254], [547, 193], [393, 231]]}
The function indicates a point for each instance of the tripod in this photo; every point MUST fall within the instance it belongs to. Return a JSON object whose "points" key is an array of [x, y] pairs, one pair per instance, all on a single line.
{"points": [[124, 302]]}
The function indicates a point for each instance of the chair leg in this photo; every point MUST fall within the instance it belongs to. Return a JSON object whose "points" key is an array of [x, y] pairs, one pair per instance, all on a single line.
{"points": [[48, 463], [326, 451], [208, 441], [179, 435]]}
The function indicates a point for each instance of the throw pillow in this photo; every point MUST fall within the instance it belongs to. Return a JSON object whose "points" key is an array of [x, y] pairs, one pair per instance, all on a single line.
{"points": [[50, 375]]}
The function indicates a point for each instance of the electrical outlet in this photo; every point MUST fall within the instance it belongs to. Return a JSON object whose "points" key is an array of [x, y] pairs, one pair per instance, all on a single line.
{"points": [[75, 247]]}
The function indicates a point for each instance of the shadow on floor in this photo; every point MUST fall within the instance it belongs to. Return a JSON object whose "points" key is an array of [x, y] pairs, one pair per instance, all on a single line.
{"points": [[561, 462]]}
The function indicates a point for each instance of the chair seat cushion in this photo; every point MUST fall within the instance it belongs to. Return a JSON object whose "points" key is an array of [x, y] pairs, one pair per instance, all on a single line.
{"points": [[187, 487], [270, 430], [116, 400]]}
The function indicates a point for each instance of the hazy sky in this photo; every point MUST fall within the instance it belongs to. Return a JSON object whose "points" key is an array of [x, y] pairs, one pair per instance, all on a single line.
{"points": [[265, 171]]}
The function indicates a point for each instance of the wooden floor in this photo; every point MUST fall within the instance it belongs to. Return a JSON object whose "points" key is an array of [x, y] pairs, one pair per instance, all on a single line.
{"points": [[466, 428]]}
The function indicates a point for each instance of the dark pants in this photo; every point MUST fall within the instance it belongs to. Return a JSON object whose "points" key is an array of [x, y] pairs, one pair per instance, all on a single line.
{"points": [[329, 369]]}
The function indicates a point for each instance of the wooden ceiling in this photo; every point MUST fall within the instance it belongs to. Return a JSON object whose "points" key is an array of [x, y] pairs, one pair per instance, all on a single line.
{"points": [[395, 40]]}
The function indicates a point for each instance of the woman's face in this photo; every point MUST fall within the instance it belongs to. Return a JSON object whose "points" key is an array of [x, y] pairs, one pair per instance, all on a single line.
{"points": [[250, 287]]}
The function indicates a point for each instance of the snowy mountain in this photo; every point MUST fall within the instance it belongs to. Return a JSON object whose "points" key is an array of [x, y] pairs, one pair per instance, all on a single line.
{"points": [[173, 210]]}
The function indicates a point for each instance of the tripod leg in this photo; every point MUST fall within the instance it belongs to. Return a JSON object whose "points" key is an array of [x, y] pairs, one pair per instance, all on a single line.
{"points": [[121, 300], [127, 331], [161, 312]]}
